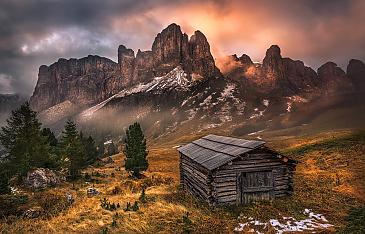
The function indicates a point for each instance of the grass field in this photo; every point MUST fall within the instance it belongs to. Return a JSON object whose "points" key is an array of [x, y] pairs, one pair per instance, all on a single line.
{"points": [[330, 179]]}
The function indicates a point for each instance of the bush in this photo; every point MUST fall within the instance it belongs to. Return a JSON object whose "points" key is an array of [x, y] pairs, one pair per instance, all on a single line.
{"points": [[143, 197], [135, 206], [187, 223], [105, 204]]}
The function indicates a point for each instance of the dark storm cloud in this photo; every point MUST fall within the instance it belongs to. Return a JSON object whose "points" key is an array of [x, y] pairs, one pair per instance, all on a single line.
{"points": [[35, 32]]}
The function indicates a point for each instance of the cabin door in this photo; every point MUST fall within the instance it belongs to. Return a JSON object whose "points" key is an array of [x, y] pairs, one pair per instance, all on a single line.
{"points": [[255, 186]]}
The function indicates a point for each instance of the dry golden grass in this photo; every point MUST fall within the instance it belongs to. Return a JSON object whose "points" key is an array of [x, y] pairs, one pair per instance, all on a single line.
{"points": [[329, 179]]}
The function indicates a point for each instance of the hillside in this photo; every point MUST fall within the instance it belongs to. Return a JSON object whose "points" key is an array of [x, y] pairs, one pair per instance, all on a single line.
{"points": [[329, 180]]}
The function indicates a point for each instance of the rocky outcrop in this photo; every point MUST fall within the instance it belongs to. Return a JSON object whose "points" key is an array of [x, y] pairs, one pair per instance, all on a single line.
{"points": [[41, 178], [171, 48], [91, 79], [80, 81], [356, 73], [276, 76], [333, 79]]}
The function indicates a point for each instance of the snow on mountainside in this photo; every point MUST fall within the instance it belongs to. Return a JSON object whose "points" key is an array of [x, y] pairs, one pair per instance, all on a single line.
{"points": [[174, 80]]}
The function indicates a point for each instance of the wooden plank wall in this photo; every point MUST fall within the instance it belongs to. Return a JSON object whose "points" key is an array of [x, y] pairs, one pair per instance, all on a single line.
{"points": [[195, 179], [225, 189]]}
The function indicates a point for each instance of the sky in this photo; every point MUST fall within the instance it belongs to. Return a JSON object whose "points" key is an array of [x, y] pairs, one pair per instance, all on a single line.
{"points": [[36, 32]]}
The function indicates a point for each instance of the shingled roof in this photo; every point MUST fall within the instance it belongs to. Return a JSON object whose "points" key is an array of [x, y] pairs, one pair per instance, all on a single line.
{"points": [[213, 151]]}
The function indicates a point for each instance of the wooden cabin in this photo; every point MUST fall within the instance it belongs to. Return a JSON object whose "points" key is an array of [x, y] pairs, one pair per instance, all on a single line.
{"points": [[225, 170]]}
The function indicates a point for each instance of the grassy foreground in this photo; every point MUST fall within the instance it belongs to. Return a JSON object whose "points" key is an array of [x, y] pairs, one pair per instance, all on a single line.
{"points": [[330, 179]]}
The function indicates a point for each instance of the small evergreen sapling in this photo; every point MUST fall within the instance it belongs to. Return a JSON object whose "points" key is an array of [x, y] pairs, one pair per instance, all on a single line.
{"points": [[143, 197], [128, 208], [135, 206]]}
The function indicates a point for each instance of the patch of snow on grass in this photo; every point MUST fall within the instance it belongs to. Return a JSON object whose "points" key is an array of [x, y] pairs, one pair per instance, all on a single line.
{"points": [[314, 222]]}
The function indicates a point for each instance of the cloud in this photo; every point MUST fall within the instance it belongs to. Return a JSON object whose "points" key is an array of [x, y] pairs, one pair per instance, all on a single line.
{"points": [[5, 84], [36, 32]]}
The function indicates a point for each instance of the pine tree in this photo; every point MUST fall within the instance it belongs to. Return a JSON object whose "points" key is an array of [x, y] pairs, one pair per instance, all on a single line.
{"points": [[135, 150], [4, 178], [90, 150], [22, 139], [51, 138], [72, 149], [55, 160]]}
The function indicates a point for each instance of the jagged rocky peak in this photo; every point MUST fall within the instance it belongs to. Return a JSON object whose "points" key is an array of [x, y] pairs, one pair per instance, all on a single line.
{"points": [[171, 48], [356, 73], [333, 78], [272, 61], [126, 62], [202, 60], [170, 45], [245, 60]]}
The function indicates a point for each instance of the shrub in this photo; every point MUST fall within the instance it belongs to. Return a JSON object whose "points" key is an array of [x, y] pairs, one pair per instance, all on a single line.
{"points": [[128, 208], [135, 206], [105, 204], [187, 223], [143, 197]]}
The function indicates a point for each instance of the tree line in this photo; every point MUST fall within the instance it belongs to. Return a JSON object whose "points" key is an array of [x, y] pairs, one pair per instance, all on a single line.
{"points": [[31, 146]]}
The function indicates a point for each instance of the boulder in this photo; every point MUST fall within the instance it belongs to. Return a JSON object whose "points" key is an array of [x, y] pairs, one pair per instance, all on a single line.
{"points": [[33, 212], [41, 178], [92, 192]]}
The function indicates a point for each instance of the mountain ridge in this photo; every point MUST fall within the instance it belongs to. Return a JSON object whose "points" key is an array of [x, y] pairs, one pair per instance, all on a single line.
{"points": [[180, 78]]}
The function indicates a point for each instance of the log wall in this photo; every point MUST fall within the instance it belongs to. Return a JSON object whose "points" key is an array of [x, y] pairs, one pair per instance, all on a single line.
{"points": [[195, 179], [226, 187], [221, 186]]}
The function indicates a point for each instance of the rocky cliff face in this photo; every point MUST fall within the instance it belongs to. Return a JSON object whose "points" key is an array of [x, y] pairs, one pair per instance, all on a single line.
{"points": [[278, 76], [356, 73], [91, 79], [171, 48], [81, 81]]}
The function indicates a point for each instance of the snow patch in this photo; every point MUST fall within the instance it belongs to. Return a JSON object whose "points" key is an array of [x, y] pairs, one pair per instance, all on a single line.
{"points": [[314, 222], [175, 79]]}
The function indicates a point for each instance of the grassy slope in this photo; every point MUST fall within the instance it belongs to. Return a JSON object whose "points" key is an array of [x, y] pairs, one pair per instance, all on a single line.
{"points": [[330, 179]]}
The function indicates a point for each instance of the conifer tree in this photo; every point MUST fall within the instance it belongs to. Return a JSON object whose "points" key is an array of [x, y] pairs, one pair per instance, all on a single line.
{"points": [[51, 138], [72, 149], [135, 150], [91, 152], [4, 178], [22, 139]]}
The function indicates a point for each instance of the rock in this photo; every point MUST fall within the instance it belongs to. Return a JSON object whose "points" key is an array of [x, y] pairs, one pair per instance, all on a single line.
{"points": [[107, 160], [272, 62], [92, 79], [81, 81], [245, 60], [92, 192], [42, 178], [33, 212], [333, 79], [126, 63], [70, 198], [356, 73]]}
